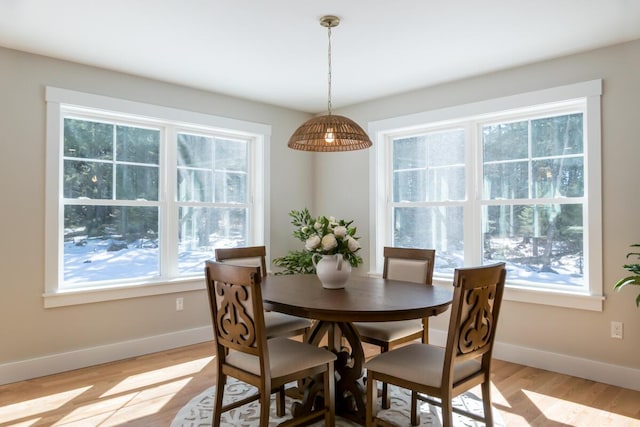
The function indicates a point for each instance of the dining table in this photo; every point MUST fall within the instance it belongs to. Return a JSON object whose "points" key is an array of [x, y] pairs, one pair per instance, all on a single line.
{"points": [[363, 299]]}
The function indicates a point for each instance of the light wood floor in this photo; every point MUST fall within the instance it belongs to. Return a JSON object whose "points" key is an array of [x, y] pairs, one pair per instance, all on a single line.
{"points": [[149, 390]]}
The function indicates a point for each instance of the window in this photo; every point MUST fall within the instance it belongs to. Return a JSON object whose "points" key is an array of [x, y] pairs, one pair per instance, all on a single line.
{"points": [[514, 180], [213, 197], [139, 196]]}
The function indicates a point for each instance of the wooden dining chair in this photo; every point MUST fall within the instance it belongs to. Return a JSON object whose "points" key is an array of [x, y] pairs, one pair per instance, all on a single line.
{"points": [[277, 324], [432, 371], [410, 265], [244, 352]]}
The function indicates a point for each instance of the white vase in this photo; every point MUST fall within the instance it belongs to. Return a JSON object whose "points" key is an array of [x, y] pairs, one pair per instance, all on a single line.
{"points": [[332, 270]]}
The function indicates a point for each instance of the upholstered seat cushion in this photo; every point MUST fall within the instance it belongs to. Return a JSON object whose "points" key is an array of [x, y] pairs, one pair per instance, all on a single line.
{"points": [[280, 323], [420, 363], [389, 331], [285, 357]]}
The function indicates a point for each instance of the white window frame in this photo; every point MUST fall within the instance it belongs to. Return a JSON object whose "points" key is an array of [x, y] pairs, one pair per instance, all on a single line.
{"points": [[59, 102], [590, 91]]}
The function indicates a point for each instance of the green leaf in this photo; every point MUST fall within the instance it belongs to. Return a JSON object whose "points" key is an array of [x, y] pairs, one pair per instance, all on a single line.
{"points": [[295, 262], [633, 268], [629, 280]]}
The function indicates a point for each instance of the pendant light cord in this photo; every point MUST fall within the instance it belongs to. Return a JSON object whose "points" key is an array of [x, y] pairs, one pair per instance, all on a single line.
{"points": [[329, 97]]}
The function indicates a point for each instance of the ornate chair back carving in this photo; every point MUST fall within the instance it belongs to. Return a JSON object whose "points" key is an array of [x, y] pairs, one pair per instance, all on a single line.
{"points": [[235, 298], [474, 316]]}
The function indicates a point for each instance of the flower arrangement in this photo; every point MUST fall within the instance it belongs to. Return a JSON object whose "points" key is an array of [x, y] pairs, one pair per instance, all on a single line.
{"points": [[322, 235]]}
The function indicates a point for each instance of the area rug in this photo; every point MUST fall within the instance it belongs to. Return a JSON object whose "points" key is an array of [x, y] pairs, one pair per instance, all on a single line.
{"points": [[199, 411]]}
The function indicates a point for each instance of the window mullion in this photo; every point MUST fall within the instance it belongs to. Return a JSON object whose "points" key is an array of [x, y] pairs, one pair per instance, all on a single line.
{"points": [[530, 158], [473, 207], [114, 164], [169, 204]]}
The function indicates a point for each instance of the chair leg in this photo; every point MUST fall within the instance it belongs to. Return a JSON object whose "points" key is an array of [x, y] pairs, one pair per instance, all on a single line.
{"points": [[486, 403], [280, 402], [217, 409], [425, 330], [372, 401], [329, 396], [386, 400], [265, 402], [415, 414], [447, 411]]}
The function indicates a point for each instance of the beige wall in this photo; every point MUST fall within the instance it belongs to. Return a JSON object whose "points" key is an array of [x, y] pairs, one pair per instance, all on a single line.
{"points": [[27, 330], [571, 332]]}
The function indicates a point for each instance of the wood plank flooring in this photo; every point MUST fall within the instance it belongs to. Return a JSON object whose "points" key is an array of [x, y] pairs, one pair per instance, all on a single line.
{"points": [[149, 390]]}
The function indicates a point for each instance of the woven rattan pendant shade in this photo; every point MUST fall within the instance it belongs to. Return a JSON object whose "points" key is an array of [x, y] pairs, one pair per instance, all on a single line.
{"points": [[329, 133]]}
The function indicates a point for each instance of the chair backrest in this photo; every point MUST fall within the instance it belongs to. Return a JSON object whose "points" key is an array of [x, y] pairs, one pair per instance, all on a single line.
{"points": [[250, 256], [409, 264], [477, 297], [235, 299]]}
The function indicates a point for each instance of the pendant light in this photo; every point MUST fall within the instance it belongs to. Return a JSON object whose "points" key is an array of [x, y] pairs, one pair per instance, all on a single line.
{"points": [[329, 132]]}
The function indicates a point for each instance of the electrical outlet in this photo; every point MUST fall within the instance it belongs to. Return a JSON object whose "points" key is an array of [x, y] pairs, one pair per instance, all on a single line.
{"points": [[179, 304], [616, 330]]}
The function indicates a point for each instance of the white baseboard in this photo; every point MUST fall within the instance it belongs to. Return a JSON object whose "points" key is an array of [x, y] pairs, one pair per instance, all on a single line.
{"points": [[619, 376], [606, 373], [55, 363]]}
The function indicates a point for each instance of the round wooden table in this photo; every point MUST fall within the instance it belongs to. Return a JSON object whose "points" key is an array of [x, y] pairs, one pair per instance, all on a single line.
{"points": [[363, 299]]}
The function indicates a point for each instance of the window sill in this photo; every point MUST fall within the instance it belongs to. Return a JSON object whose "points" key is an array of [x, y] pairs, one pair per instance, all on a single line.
{"points": [[91, 295], [579, 301]]}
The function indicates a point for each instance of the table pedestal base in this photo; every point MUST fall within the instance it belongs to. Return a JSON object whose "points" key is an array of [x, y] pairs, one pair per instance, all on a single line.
{"points": [[350, 392]]}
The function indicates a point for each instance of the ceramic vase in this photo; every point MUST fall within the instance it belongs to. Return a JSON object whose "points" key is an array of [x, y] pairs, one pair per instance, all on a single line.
{"points": [[332, 270]]}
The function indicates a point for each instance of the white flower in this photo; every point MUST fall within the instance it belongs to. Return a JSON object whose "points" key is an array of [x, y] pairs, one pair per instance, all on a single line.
{"points": [[340, 231], [329, 242], [327, 235], [352, 244], [312, 242]]}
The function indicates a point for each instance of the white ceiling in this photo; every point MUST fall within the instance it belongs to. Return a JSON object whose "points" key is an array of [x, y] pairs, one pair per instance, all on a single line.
{"points": [[276, 51]]}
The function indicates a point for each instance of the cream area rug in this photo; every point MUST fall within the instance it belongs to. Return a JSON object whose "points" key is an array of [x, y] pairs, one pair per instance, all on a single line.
{"points": [[199, 411]]}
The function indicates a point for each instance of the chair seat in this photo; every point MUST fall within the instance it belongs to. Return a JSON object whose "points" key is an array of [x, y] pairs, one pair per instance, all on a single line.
{"points": [[279, 323], [420, 363], [285, 357], [389, 331]]}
